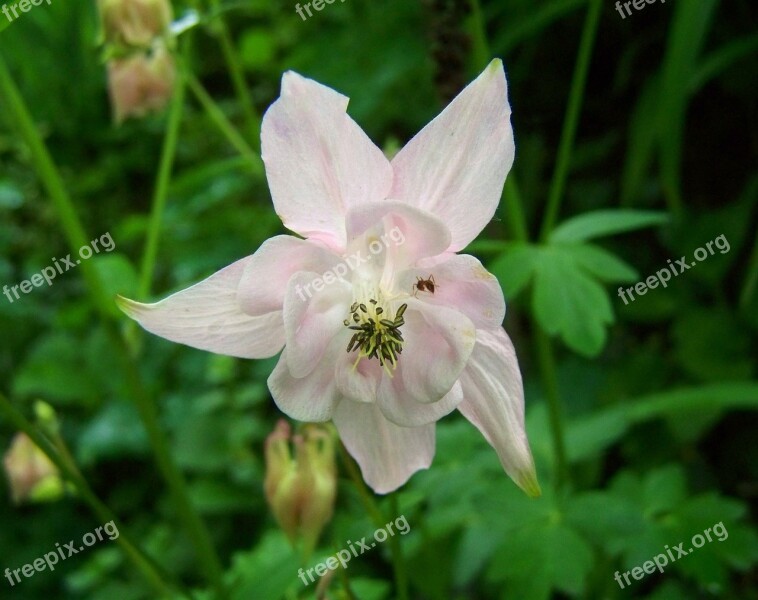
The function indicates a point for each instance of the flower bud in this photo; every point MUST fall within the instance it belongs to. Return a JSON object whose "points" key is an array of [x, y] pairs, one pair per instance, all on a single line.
{"points": [[32, 476], [301, 491], [134, 23], [140, 83]]}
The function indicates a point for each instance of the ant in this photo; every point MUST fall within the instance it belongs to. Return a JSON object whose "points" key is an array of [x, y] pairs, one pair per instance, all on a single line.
{"points": [[424, 285]]}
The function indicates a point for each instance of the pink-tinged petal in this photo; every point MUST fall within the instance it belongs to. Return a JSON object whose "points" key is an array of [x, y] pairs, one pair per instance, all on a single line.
{"points": [[401, 410], [319, 162], [438, 343], [404, 232], [357, 382], [494, 403], [267, 272], [456, 166], [462, 283], [311, 398], [387, 454], [312, 321], [207, 316]]}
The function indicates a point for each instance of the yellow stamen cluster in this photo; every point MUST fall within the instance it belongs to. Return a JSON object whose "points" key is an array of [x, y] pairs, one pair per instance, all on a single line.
{"points": [[376, 336]]}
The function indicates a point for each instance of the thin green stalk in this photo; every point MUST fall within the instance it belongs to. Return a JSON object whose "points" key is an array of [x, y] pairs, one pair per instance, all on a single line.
{"points": [[225, 126], [150, 570], [237, 74], [72, 227], [481, 47], [550, 384], [168, 153], [74, 230], [751, 278], [571, 120], [372, 508]]}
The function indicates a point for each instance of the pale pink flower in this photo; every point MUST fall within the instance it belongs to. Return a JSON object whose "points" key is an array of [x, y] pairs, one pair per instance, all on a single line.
{"points": [[331, 185]]}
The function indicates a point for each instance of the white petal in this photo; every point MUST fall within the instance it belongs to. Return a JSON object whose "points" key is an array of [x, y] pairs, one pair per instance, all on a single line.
{"points": [[494, 403], [208, 316], [319, 162], [357, 382], [312, 322], [399, 408], [438, 343], [387, 454], [310, 398], [267, 272], [405, 233], [462, 283], [456, 166]]}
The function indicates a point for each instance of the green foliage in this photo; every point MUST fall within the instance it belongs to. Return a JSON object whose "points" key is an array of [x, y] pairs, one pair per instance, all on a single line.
{"points": [[659, 396]]}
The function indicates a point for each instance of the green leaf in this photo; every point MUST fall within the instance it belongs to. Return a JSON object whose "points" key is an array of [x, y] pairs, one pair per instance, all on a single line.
{"points": [[569, 303], [601, 263], [605, 222], [515, 267]]}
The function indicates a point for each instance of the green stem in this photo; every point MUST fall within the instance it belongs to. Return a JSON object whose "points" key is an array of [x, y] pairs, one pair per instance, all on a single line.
{"points": [[481, 47], [237, 75], [751, 278], [225, 126], [74, 230], [168, 153], [550, 385], [151, 571], [571, 120], [49, 175], [372, 508]]}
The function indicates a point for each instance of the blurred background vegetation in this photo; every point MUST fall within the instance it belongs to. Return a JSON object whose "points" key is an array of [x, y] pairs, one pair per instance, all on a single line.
{"points": [[642, 417]]}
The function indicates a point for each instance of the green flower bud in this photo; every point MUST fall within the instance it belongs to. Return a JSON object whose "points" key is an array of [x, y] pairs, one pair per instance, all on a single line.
{"points": [[31, 474], [134, 23], [301, 490]]}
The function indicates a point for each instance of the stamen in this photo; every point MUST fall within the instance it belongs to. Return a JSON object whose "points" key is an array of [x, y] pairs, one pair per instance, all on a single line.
{"points": [[376, 337]]}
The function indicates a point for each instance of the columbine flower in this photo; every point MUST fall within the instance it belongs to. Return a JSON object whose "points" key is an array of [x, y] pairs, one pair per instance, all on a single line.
{"points": [[382, 358]]}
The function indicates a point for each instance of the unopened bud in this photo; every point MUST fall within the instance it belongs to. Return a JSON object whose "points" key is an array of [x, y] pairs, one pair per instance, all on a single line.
{"points": [[140, 83], [134, 23], [32, 476], [301, 491]]}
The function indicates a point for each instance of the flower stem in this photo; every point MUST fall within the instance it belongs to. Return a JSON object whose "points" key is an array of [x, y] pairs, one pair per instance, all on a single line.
{"points": [[550, 385], [372, 508], [151, 571], [237, 74], [168, 153], [74, 230], [514, 209], [571, 120], [225, 126]]}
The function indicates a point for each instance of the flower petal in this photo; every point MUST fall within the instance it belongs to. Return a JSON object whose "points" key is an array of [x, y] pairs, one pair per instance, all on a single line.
{"points": [[407, 232], [310, 398], [267, 272], [462, 283], [207, 316], [387, 454], [357, 382], [438, 343], [319, 162], [494, 403], [311, 323], [456, 166], [399, 408]]}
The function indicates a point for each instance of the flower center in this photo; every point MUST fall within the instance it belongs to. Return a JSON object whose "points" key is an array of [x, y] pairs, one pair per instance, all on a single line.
{"points": [[376, 335]]}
